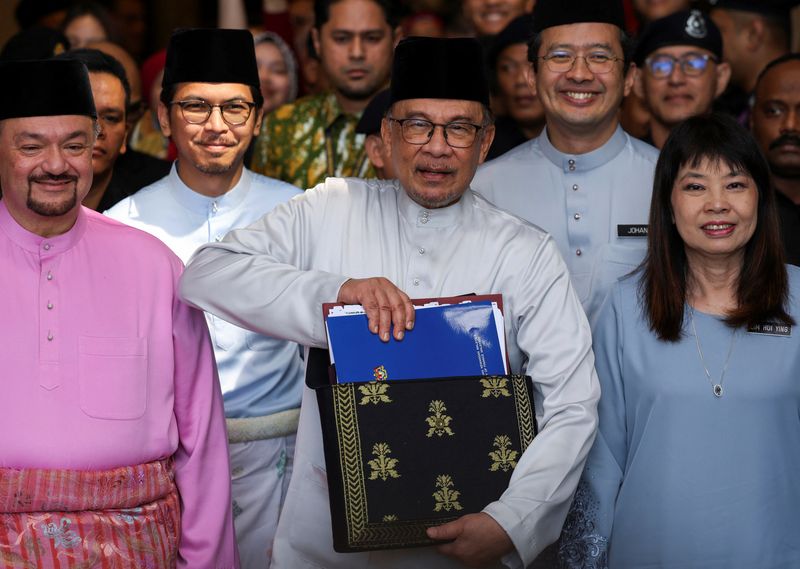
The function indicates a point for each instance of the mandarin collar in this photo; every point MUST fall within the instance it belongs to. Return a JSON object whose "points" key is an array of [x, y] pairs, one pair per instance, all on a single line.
{"points": [[44, 246], [423, 217], [198, 203], [583, 162]]}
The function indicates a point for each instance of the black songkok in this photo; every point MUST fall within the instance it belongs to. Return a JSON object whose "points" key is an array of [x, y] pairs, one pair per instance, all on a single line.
{"points": [[370, 121], [687, 27], [45, 88], [775, 8], [439, 68], [551, 13], [519, 30], [211, 56]]}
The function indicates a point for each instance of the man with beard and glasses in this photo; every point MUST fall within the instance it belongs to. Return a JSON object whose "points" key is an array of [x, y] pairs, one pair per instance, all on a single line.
{"points": [[211, 107], [775, 122], [112, 426], [315, 137], [426, 234]]}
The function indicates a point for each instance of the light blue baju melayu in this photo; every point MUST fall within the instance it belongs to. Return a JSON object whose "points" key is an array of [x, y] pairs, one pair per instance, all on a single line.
{"points": [[678, 478]]}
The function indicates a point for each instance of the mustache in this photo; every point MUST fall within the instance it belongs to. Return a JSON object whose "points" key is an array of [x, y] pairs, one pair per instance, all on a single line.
{"points": [[792, 139], [53, 178]]}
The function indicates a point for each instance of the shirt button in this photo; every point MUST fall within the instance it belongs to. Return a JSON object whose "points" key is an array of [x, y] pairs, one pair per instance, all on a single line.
{"points": [[575, 188], [49, 306], [46, 246], [49, 276], [577, 216], [578, 252], [49, 336], [416, 282], [422, 250], [218, 238], [424, 220], [214, 207]]}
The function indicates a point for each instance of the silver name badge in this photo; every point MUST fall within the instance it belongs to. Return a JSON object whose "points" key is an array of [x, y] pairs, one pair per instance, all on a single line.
{"points": [[771, 329], [631, 230]]}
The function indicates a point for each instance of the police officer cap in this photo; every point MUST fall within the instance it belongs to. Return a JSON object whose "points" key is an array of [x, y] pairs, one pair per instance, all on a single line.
{"points": [[551, 13], [687, 27], [370, 121], [44, 88], [779, 8], [519, 30], [439, 68], [211, 55]]}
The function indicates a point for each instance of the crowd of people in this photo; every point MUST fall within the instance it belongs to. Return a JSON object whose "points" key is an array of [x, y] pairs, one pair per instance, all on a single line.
{"points": [[625, 174]]}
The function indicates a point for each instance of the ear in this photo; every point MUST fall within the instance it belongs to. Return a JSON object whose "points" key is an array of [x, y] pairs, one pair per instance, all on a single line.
{"points": [[530, 78], [638, 83], [756, 33], [630, 77], [124, 147], [397, 34], [163, 119], [486, 142], [723, 77], [373, 146], [257, 123], [315, 39]]}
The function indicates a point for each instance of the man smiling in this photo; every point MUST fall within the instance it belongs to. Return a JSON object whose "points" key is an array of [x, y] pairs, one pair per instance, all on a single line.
{"points": [[426, 234], [584, 180]]}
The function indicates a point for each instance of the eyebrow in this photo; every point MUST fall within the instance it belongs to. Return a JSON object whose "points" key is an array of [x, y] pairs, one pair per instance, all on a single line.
{"points": [[43, 138], [585, 46], [239, 97], [423, 115]]}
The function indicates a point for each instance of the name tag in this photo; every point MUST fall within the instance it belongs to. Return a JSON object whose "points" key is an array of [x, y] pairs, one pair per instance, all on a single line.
{"points": [[770, 329], [631, 230]]}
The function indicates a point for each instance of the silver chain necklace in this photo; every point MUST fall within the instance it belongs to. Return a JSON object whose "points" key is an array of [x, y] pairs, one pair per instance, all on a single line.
{"points": [[716, 388]]}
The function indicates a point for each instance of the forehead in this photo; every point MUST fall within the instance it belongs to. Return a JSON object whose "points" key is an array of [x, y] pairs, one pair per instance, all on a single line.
{"points": [[106, 83], [47, 128], [781, 82], [583, 35], [355, 16], [679, 51], [439, 110], [213, 92], [515, 51]]}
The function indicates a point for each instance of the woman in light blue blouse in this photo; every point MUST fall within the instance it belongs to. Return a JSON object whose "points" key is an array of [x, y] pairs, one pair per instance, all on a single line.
{"points": [[697, 461]]}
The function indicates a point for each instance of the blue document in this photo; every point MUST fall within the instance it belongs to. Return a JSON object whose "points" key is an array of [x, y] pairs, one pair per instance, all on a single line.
{"points": [[447, 341]]}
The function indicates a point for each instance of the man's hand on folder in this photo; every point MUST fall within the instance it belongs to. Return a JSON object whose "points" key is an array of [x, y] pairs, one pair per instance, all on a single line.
{"points": [[478, 540], [386, 305]]}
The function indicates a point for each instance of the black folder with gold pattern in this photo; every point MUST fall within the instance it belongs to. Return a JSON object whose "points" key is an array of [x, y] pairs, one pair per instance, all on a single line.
{"points": [[406, 455]]}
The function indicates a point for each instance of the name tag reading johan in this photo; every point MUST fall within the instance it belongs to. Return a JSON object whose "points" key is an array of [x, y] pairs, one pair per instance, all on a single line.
{"points": [[632, 230], [770, 329]]}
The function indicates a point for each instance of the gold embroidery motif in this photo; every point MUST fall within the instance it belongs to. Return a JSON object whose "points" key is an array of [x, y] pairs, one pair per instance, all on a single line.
{"points": [[439, 422], [383, 466], [446, 498], [374, 393], [390, 518], [380, 373], [504, 457], [495, 387], [525, 416]]}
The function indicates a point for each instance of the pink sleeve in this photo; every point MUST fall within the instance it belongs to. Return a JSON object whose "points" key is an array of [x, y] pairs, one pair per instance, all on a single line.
{"points": [[201, 462]]}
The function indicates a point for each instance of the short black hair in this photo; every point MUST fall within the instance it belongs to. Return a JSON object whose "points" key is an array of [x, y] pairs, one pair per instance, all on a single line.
{"points": [[774, 63], [97, 61], [322, 12], [168, 92], [625, 41]]}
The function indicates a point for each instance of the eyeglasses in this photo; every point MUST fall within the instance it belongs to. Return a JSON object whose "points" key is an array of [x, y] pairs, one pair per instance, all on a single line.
{"points": [[563, 61], [197, 111], [419, 131], [692, 64]]}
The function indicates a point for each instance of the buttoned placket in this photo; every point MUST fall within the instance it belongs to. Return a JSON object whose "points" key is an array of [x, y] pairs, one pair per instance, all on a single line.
{"points": [[420, 262], [49, 305], [577, 211]]}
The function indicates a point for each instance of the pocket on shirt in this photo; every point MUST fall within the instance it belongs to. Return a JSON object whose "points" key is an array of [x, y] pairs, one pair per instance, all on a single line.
{"points": [[113, 377]]}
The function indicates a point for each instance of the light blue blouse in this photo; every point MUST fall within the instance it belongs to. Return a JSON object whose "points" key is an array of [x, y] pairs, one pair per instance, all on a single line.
{"points": [[678, 478]]}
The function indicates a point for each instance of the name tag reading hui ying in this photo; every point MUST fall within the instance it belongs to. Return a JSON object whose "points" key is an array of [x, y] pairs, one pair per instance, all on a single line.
{"points": [[771, 329]]}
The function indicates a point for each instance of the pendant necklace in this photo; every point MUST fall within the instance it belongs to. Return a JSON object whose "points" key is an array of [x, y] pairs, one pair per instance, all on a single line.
{"points": [[716, 388]]}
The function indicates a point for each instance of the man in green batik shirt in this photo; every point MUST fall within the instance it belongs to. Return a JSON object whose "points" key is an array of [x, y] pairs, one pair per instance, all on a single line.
{"points": [[315, 137]]}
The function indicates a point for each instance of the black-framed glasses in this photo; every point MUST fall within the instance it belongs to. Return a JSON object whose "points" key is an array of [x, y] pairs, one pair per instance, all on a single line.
{"points": [[457, 134], [563, 61], [692, 64], [197, 111]]}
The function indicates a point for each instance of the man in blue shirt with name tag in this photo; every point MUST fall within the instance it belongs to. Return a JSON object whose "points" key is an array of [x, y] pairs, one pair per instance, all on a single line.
{"points": [[583, 180]]}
